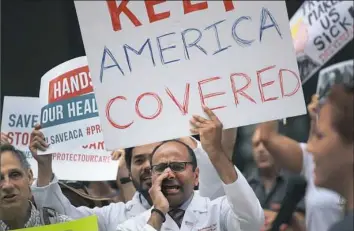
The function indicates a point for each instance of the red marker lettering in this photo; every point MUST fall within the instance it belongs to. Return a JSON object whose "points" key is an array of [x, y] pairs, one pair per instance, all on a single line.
{"points": [[115, 13], [189, 7], [159, 106], [108, 115], [203, 97], [183, 108], [262, 85], [229, 5], [241, 91], [281, 80], [153, 17]]}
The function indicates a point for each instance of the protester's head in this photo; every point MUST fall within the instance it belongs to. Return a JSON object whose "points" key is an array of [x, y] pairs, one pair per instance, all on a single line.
{"points": [[71, 191], [261, 155], [16, 178], [332, 144], [181, 163], [138, 162], [79, 194]]}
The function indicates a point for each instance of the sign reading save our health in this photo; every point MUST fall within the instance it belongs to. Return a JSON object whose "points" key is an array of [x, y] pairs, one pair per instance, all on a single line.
{"points": [[155, 63], [21, 114], [68, 109]]}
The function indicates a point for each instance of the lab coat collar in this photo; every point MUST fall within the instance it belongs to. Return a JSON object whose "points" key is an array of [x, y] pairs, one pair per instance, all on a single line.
{"points": [[136, 205], [197, 206], [198, 203], [142, 200], [199, 145]]}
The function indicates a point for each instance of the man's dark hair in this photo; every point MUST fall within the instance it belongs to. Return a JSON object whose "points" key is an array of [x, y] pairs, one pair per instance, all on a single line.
{"points": [[128, 157], [190, 151], [19, 155], [341, 100], [129, 153]]}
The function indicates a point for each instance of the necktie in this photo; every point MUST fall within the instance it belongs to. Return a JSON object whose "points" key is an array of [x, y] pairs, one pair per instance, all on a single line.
{"points": [[177, 216]]}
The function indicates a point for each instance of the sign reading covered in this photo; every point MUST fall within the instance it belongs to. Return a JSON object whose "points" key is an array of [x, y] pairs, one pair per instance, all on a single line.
{"points": [[155, 63]]}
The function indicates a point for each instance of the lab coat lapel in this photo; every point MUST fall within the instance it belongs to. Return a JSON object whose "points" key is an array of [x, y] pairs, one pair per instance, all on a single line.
{"points": [[195, 212], [170, 224], [135, 207]]}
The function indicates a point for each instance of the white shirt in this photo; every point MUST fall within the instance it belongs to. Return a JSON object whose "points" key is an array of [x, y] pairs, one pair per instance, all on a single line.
{"points": [[322, 205], [111, 215], [236, 211]]}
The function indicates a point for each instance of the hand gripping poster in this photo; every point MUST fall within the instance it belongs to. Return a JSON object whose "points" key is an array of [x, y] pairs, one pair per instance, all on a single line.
{"points": [[320, 29]]}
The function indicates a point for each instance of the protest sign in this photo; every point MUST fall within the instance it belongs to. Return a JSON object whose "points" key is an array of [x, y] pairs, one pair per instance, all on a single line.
{"points": [[20, 114], [320, 29], [69, 114], [154, 64], [84, 224], [335, 74]]}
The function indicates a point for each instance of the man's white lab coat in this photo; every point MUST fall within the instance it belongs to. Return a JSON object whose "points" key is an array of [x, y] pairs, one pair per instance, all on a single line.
{"points": [[110, 216], [236, 211]]}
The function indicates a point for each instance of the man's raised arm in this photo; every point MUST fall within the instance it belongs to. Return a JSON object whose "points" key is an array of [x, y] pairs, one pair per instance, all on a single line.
{"points": [[47, 192], [241, 210], [287, 152]]}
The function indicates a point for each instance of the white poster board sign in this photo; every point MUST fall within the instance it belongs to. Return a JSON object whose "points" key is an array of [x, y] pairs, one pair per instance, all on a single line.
{"points": [[320, 29], [69, 114], [20, 114], [153, 64], [335, 74]]}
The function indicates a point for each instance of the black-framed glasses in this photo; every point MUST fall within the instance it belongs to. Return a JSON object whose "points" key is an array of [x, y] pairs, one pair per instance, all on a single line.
{"points": [[174, 166]]}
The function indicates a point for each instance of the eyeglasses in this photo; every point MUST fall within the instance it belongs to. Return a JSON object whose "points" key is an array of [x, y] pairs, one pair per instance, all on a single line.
{"points": [[174, 166]]}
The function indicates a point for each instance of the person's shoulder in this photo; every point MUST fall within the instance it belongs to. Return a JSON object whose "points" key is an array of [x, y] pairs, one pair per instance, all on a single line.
{"points": [[50, 216], [201, 203], [133, 202], [303, 147], [60, 218], [253, 177], [135, 206], [344, 225], [136, 221]]}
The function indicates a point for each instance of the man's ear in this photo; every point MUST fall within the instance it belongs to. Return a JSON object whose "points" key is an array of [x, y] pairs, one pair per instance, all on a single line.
{"points": [[196, 181], [30, 176]]}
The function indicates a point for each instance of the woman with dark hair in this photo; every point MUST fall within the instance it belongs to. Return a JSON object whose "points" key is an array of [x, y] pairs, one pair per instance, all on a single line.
{"points": [[332, 148]]}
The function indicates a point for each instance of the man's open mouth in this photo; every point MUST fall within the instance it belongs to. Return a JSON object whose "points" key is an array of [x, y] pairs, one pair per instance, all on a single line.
{"points": [[170, 189], [9, 196]]}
